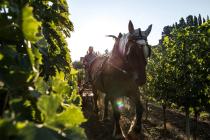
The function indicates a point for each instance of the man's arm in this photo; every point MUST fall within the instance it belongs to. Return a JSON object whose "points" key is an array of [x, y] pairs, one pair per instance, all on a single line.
{"points": [[85, 61]]}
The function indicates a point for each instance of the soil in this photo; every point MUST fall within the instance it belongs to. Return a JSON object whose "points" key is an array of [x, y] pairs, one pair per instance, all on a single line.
{"points": [[96, 129]]}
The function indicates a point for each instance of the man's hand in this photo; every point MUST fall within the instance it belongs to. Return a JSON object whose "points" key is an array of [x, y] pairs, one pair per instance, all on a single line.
{"points": [[85, 64]]}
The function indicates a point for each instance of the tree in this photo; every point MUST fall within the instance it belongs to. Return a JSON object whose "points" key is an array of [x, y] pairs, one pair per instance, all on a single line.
{"points": [[199, 19], [56, 26], [190, 21], [77, 65], [182, 23], [189, 66], [204, 20], [195, 21], [179, 70]]}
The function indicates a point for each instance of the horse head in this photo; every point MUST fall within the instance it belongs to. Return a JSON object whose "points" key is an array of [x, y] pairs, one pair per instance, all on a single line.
{"points": [[135, 51]]}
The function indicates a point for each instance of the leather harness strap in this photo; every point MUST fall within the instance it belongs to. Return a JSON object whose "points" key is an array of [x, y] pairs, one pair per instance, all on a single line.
{"points": [[118, 68], [100, 69]]}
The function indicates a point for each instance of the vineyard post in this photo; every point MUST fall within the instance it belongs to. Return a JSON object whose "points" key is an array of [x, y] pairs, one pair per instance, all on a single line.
{"points": [[164, 117], [146, 109], [195, 124], [187, 117], [4, 101]]}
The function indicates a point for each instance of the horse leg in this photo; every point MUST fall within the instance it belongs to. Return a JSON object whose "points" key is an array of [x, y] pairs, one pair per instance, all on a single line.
{"points": [[106, 106], [136, 127], [95, 98], [117, 132]]}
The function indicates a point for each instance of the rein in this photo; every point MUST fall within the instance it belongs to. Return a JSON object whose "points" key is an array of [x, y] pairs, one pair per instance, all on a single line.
{"points": [[118, 68]]}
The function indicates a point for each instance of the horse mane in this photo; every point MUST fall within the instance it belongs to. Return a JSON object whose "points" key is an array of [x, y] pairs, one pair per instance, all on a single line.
{"points": [[115, 50]]}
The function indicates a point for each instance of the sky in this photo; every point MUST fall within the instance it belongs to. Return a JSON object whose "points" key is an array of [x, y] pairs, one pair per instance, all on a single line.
{"points": [[94, 19]]}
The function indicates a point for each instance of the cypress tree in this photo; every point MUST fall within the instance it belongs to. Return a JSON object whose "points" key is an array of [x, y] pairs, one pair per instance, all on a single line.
{"points": [[182, 23], [176, 25], [195, 21], [173, 26], [166, 30], [204, 20], [199, 19], [190, 20], [207, 17]]}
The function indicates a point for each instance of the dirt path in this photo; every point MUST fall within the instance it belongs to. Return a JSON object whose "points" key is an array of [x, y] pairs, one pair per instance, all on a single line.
{"points": [[152, 127], [176, 124], [95, 128]]}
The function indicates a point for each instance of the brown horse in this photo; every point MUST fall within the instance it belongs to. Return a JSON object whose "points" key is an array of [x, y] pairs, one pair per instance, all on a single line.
{"points": [[121, 73]]}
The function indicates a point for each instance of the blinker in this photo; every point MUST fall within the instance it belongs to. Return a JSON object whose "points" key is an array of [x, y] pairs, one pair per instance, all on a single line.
{"points": [[140, 35]]}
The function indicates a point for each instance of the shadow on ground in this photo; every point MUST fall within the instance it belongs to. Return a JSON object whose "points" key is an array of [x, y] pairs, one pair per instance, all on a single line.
{"points": [[152, 127]]}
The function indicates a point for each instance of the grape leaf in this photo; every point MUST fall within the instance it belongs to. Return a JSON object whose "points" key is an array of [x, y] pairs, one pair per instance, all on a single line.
{"points": [[30, 25]]}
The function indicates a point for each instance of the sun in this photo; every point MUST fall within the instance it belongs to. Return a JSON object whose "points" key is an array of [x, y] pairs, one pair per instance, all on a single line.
{"points": [[92, 33]]}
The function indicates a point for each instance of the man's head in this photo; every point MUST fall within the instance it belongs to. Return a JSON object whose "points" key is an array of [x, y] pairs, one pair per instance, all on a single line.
{"points": [[90, 50]]}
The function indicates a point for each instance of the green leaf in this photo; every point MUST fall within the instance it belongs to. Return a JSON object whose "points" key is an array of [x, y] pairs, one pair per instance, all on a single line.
{"points": [[1, 56], [29, 24], [37, 55], [208, 77], [59, 84], [73, 71], [208, 31], [48, 105], [71, 117], [41, 86], [166, 40], [75, 98]]}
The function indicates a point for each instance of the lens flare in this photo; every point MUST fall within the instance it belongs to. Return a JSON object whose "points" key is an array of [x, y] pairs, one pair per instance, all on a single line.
{"points": [[120, 104]]}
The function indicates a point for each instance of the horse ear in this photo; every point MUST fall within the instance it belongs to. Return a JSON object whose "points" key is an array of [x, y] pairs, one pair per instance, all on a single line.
{"points": [[148, 30], [120, 35], [130, 27]]}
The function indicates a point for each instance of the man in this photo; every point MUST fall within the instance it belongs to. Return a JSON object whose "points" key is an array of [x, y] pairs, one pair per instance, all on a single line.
{"points": [[88, 59]]}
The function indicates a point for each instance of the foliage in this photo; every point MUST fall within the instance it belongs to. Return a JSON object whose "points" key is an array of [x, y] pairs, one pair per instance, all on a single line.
{"points": [[38, 90], [77, 65], [56, 26], [191, 21], [178, 72], [179, 68]]}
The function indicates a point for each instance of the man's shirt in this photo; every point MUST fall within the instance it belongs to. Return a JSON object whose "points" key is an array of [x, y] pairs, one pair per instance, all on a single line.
{"points": [[88, 59]]}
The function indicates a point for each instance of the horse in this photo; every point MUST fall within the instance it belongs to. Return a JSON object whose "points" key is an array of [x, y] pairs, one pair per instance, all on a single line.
{"points": [[120, 75]]}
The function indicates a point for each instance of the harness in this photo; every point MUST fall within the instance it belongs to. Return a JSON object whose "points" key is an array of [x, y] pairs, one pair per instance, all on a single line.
{"points": [[100, 68], [116, 67]]}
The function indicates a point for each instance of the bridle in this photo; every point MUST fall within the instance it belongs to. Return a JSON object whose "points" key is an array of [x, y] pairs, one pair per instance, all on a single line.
{"points": [[139, 41], [139, 37]]}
